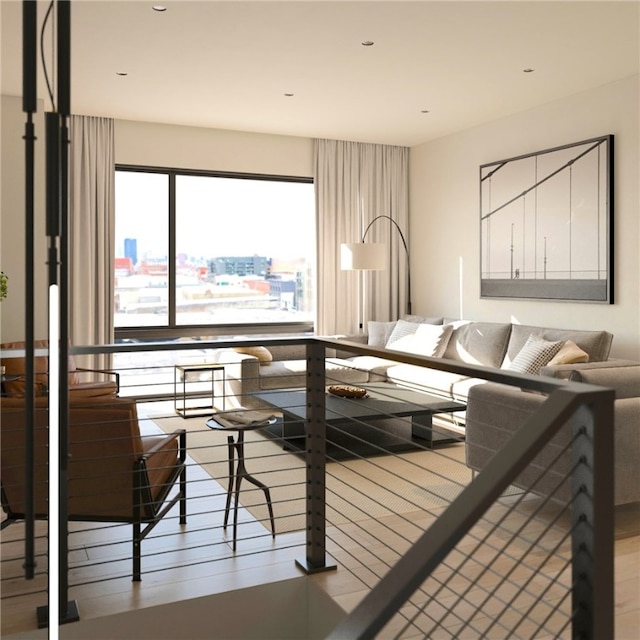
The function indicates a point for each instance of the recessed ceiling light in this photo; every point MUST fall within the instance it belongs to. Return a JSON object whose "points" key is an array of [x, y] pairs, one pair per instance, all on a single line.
{"points": [[425, 111], [368, 43], [121, 73], [528, 70], [159, 8], [289, 95]]}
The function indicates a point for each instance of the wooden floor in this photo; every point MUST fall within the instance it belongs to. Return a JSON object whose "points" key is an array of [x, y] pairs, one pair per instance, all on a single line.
{"points": [[201, 563]]}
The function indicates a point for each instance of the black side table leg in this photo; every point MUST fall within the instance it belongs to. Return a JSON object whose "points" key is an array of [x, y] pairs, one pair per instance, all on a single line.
{"points": [[231, 446], [238, 472], [267, 495]]}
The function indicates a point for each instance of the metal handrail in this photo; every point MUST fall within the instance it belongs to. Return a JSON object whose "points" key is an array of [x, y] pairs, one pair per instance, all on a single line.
{"points": [[591, 406], [593, 583]]}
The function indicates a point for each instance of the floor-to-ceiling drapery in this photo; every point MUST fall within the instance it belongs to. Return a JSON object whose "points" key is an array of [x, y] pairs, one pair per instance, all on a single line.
{"points": [[91, 232], [356, 182]]}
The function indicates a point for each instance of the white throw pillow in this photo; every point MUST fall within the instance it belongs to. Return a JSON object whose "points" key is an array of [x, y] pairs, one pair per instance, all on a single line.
{"points": [[426, 340], [379, 333], [402, 329], [570, 353], [535, 354]]}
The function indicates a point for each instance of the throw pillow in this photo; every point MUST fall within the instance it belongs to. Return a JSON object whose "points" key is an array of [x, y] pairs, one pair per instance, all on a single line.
{"points": [[535, 354], [262, 353], [570, 353], [379, 333], [401, 330], [427, 340]]}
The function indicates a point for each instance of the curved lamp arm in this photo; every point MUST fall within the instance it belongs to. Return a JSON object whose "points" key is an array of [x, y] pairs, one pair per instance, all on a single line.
{"points": [[406, 248]]}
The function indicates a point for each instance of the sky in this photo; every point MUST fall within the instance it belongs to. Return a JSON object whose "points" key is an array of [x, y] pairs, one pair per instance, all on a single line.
{"points": [[216, 216]]}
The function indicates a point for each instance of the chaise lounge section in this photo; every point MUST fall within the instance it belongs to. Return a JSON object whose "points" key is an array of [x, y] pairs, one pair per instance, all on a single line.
{"points": [[495, 412]]}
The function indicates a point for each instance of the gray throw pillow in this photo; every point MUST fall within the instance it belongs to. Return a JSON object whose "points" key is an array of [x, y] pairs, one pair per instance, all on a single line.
{"points": [[379, 332]]}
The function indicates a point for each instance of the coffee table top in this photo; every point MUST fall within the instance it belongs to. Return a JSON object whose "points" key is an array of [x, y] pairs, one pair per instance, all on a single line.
{"points": [[383, 399]]}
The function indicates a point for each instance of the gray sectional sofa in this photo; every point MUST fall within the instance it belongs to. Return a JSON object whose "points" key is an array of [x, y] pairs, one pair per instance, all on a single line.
{"points": [[494, 411], [489, 344]]}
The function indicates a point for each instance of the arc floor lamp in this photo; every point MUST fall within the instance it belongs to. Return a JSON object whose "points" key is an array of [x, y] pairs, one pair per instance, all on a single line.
{"points": [[372, 256]]}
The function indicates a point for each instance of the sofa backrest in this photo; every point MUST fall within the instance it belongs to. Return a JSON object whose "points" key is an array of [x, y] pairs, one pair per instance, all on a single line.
{"points": [[482, 343], [596, 343]]}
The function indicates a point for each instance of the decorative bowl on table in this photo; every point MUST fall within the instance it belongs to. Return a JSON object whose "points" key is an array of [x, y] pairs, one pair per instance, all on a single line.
{"points": [[347, 391]]}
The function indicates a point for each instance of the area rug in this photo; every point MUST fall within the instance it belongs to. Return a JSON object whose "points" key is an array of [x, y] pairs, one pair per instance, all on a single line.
{"points": [[356, 490]]}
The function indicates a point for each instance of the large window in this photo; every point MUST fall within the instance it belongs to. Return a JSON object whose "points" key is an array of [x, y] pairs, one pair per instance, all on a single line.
{"points": [[205, 250]]}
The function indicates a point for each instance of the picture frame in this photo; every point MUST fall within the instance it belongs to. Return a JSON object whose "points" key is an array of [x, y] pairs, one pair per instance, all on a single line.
{"points": [[546, 224]]}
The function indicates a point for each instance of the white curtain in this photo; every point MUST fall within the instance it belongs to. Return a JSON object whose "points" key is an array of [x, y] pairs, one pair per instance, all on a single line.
{"points": [[91, 233], [354, 183]]}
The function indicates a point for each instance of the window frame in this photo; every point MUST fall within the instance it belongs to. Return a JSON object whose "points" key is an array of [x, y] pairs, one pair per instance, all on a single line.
{"points": [[172, 330]]}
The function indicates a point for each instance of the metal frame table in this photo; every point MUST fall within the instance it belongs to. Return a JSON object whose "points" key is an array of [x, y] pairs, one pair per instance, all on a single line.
{"points": [[185, 370], [238, 472]]}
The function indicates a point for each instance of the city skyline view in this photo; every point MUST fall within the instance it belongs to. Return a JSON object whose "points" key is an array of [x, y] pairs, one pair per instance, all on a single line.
{"points": [[231, 236]]}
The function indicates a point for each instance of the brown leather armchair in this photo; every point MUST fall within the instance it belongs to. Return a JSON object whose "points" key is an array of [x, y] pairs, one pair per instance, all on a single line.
{"points": [[15, 370], [115, 473]]}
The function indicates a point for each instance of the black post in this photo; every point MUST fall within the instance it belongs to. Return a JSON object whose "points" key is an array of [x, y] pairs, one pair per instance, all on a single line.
{"points": [[592, 514], [316, 444], [57, 166], [29, 106]]}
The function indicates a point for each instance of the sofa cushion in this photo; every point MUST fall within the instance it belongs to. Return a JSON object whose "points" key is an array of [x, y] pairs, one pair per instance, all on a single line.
{"points": [[293, 373], [596, 343], [482, 343], [377, 367], [427, 340], [535, 354], [428, 380], [423, 319], [379, 332]]}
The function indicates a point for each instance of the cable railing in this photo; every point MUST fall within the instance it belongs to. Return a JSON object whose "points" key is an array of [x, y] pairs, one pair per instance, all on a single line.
{"points": [[423, 545]]}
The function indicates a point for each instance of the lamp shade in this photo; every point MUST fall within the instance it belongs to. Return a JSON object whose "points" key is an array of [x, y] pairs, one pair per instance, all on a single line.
{"points": [[363, 256]]}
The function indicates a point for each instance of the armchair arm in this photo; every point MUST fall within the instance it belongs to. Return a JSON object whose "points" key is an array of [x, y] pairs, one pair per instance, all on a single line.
{"points": [[158, 467], [160, 442]]}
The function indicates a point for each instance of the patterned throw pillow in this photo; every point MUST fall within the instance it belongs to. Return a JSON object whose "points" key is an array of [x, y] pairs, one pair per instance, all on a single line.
{"points": [[535, 354]]}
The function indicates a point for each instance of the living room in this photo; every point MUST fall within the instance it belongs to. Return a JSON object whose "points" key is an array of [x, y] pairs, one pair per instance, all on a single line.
{"points": [[443, 198], [443, 208]]}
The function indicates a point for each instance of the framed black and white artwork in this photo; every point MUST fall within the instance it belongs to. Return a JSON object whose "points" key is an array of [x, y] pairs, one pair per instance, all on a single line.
{"points": [[546, 224]]}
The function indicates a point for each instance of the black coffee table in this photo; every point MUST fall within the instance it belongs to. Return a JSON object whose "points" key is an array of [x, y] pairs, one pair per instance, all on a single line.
{"points": [[391, 418]]}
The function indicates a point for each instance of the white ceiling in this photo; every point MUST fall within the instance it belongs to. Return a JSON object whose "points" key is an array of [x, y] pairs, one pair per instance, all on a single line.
{"points": [[228, 64]]}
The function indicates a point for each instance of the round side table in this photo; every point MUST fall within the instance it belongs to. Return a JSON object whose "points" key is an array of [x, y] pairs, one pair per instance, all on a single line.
{"points": [[238, 472]]}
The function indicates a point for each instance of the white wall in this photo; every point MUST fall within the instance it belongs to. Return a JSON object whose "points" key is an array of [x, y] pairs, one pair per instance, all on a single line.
{"points": [[12, 221], [444, 219], [444, 203]]}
